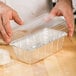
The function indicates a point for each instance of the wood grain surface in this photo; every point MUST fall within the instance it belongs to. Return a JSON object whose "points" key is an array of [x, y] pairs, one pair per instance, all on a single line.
{"points": [[62, 63]]}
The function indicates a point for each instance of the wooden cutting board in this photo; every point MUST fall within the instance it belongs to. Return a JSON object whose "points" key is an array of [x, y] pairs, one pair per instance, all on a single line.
{"points": [[62, 63]]}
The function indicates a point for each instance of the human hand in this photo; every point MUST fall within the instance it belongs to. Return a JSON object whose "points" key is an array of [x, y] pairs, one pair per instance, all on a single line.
{"points": [[64, 7], [7, 14]]}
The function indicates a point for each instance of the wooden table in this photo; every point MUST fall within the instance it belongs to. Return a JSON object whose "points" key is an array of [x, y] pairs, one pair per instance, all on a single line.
{"points": [[63, 63]]}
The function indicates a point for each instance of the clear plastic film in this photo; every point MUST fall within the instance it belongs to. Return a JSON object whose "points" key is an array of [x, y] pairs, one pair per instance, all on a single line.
{"points": [[39, 39], [38, 23]]}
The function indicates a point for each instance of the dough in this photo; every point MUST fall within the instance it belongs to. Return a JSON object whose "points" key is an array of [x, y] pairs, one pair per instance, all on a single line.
{"points": [[4, 57]]}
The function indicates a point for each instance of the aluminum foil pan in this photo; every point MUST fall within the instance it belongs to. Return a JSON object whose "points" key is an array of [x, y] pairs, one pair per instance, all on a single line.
{"points": [[35, 40], [38, 39], [38, 45]]}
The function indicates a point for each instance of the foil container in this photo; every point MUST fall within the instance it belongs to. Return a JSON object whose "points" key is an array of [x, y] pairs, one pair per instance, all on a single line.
{"points": [[38, 45], [38, 39]]}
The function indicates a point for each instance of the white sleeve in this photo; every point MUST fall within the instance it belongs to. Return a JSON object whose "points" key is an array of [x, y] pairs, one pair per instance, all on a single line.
{"points": [[74, 4]]}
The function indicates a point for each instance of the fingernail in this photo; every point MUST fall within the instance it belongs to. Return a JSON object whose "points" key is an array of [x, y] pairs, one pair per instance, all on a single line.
{"points": [[21, 22], [70, 34], [49, 17], [8, 40]]}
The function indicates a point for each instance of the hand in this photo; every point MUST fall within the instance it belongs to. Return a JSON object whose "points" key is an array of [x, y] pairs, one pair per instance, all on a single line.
{"points": [[7, 14], [64, 7]]}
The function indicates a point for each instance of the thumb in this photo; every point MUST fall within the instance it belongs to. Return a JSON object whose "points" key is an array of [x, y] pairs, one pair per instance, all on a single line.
{"points": [[16, 18], [51, 15]]}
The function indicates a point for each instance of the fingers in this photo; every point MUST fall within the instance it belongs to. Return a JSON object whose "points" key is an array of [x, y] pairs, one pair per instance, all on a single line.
{"points": [[70, 21], [16, 18], [5, 28], [6, 24], [3, 33], [68, 14]]}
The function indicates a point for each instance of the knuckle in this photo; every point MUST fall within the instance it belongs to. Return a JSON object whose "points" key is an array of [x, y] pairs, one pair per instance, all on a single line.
{"points": [[3, 32], [5, 23], [1, 28], [1, 14]]}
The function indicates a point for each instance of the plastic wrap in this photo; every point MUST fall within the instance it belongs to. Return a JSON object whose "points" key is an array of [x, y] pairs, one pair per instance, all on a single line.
{"points": [[39, 39]]}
